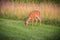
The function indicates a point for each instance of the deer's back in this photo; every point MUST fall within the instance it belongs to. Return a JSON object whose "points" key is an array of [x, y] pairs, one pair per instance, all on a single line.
{"points": [[34, 13]]}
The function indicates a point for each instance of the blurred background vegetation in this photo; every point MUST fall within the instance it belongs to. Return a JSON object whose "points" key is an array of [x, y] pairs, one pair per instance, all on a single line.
{"points": [[14, 12], [19, 9]]}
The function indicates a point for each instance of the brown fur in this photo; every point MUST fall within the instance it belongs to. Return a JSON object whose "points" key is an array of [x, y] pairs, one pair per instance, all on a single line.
{"points": [[33, 15]]}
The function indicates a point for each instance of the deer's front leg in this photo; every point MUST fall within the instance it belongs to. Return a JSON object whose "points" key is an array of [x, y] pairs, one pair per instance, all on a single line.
{"points": [[36, 21], [32, 22]]}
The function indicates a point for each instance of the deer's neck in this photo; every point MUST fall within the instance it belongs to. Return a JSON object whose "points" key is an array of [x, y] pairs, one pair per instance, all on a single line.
{"points": [[28, 19]]}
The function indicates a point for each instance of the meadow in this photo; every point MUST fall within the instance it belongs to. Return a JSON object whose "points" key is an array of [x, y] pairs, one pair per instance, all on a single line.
{"points": [[16, 30], [14, 13]]}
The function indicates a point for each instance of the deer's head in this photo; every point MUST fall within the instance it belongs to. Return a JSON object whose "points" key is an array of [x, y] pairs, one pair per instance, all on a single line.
{"points": [[27, 21]]}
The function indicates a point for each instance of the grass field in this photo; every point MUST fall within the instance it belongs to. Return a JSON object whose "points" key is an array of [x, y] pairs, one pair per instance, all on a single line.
{"points": [[16, 30]]}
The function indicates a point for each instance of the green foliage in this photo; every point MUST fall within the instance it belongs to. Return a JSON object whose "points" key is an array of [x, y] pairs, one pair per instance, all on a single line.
{"points": [[36, 1], [26, 1], [52, 22], [8, 16], [55, 1]]}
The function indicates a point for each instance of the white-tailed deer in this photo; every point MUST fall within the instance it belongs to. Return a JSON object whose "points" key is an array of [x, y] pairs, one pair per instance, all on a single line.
{"points": [[33, 15]]}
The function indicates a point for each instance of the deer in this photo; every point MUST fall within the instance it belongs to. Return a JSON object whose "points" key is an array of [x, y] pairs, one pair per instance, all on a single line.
{"points": [[33, 15]]}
